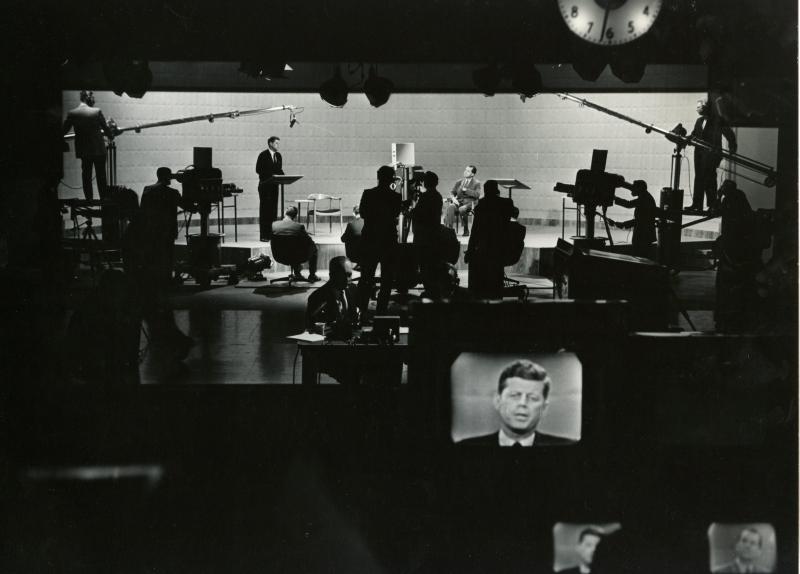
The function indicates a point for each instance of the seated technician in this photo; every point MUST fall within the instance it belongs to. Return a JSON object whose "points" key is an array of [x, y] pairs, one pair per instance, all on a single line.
{"points": [[288, 227], [747, 551], [336, 302], [521, 401]]}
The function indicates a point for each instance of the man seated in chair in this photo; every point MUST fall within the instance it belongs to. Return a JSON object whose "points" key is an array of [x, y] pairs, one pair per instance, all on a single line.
{"points": [[463, 196], [336, 302], [352, 237], [288, 227]]}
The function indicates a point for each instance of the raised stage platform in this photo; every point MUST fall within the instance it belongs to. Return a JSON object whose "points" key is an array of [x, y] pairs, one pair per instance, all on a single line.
{"points": [[540, 242]]}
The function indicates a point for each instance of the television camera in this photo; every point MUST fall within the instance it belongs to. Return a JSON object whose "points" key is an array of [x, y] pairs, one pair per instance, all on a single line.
{"points": [[593, 188], [201, 187]]}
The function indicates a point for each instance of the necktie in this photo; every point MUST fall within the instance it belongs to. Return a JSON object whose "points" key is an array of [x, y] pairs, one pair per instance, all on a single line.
{"points": [[516, 445]]}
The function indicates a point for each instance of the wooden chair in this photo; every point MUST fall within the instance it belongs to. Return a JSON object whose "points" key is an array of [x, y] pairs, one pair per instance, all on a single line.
{"points": [[330, 211]]}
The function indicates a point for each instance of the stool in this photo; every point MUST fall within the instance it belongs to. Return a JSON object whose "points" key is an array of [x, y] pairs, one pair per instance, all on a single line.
{"points": [[300, 203]]}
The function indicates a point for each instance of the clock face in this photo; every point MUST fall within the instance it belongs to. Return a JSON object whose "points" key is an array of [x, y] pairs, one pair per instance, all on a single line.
{"points": [[609, 22]]}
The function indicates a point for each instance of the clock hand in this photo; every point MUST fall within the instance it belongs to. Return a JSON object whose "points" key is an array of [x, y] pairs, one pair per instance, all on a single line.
{"points": [[605, 20]]}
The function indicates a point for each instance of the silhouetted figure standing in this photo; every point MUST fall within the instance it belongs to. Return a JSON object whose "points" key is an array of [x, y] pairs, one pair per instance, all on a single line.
{"points": [[89, 125], [425, 217], [709, 127], [268, 165], [644, 217], [148, 257], [738, 253], [485, 249], [159, 212], [379, 207]]}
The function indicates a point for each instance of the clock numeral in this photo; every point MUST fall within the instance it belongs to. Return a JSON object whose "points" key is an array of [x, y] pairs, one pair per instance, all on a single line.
{"points": [[590, 27], [647, 10], [610, 33], [631, 29], [574, 12]]}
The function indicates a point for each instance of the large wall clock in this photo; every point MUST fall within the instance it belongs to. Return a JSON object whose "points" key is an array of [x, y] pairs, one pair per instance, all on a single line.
{"points": [[609, 22]]}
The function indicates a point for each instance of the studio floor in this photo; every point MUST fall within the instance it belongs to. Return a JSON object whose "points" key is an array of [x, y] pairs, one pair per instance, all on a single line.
{"points": [[240, 331]]}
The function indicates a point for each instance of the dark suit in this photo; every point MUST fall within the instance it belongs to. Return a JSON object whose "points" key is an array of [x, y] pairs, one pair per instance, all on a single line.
{"points": [[89, 125], [573, 570], [327, 305], [734, 567], [268, 192], [485, 248], [710, 130], [379, 207], [288, 228], [352, 240], [515, 242], [465, 193], [493, 439], [643, 222], [425, 218]]}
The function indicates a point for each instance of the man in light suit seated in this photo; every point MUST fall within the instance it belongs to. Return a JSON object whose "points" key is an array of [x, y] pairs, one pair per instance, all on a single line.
{"points": [[748, 549], [463, 196], [520, 400], [289, 227]]}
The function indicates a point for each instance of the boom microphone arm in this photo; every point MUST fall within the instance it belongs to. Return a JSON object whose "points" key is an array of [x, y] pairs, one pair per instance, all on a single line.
{"points": [[682, 140], [293, 110]]}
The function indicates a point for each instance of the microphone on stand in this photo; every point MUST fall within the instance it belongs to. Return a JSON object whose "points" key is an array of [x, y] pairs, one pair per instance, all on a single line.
{"points": [[292, 119]]}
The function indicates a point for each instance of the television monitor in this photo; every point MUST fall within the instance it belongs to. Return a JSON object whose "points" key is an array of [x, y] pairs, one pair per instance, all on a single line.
{"points": [[741, 547], [504, 396], [578, 546], [558, 355], [202, 158]]}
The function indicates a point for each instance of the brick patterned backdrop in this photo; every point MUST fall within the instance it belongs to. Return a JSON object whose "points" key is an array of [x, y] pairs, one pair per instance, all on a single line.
{"points": [[539, 142]]}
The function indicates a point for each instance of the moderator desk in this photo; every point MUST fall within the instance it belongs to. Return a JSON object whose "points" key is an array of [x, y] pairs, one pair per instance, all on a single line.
{"points": [[318, 357]]}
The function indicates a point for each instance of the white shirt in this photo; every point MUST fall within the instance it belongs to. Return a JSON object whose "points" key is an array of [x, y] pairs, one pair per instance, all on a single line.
{"points": [[506, 440]]}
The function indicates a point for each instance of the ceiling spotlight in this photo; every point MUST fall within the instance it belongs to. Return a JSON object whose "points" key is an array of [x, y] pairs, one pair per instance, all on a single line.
{"points": [[629, 65], [334, 91], [487, 79], [526, 80], [132, 77], [377, 89], [266, 70]]}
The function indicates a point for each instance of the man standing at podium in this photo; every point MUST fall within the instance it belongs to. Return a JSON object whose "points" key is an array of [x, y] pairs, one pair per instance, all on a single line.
{"points": [[269, 164]]}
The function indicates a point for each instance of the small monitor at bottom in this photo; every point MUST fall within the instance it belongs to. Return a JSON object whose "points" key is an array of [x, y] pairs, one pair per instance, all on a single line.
{"points": [[741, 547]]}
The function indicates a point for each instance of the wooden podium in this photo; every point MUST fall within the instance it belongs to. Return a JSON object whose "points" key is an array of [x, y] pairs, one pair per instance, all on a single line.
{"points": [[283, 180], [511, 184]]}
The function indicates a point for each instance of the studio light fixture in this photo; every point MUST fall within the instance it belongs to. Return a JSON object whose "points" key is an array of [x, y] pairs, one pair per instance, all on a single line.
{"points": [[487, 79], [628, 64], [334, 91], [377, 89], [526, 80], [132, 77], [589, 61]]}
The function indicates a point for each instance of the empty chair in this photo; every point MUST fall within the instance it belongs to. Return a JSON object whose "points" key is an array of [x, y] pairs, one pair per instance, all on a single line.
{"points": [[331, 209]]}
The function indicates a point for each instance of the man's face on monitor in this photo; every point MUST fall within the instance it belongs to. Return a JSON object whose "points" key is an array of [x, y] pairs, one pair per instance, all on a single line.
{"points": [[587, 547], [748, 547], [521, 405]]}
